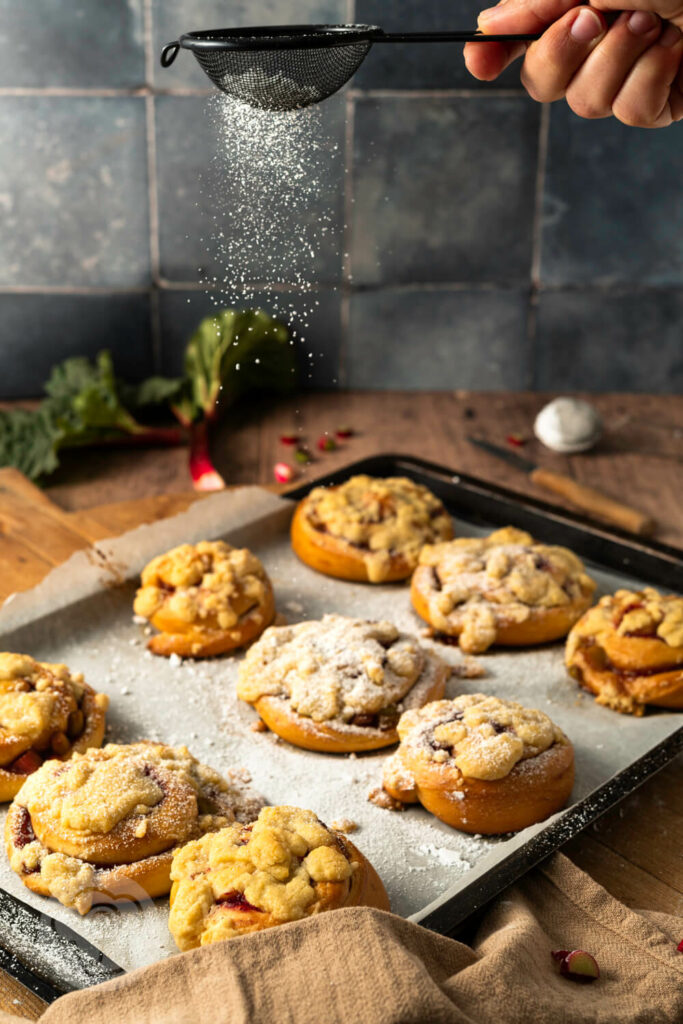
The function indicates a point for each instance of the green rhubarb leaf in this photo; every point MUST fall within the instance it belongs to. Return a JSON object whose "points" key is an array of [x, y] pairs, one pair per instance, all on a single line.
{"points": [[29, 440], [153, 391], [84, 400], [232, 353]]}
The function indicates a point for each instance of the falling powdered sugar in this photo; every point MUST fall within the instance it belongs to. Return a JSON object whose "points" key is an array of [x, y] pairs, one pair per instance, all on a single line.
{"points": [[273, 212]]}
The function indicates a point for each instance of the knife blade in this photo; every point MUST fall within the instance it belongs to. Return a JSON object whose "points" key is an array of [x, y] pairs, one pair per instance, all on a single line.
{"points": [[590, 500], [45, 955]]}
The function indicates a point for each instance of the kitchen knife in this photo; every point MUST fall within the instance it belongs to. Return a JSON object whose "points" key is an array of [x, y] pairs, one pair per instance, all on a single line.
{"points": [[587, 498]]}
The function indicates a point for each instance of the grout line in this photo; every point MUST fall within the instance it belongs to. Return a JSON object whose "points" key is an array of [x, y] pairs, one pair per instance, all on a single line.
{"points": [[615, 289], [68, 289], [143, 90], [436, 94], [346, 239], [152, 191], [147, 41], [537, 241]]}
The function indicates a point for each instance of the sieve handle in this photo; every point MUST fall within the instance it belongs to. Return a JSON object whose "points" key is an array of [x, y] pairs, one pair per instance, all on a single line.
{"points": [[169, 54], [448, 37]]}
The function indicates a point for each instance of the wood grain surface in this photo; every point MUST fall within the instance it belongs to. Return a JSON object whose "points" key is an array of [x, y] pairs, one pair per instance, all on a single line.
{"points": [[634, 850]]}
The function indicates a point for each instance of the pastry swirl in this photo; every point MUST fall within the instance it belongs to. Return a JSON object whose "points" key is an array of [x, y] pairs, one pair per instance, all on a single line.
{"points": [[481, 764], [283, 867], [628, 650], [368, 529], [338, 684], [205, 599], [45, 711], [106, 824], [500, 589]]}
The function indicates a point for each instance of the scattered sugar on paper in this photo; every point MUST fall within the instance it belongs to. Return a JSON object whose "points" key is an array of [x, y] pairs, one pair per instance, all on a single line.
{"points": [[273, 211]]}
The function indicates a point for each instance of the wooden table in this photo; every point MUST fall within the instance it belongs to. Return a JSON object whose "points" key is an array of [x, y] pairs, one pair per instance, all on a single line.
{"points": [[634, 851]]}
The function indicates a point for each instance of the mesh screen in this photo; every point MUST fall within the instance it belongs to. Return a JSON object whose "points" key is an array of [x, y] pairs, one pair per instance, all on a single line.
{"points": [[283, 79]]}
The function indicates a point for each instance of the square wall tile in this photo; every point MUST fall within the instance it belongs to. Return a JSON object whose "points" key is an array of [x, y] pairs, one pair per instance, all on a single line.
{"points": [[74, 191], [422, 65], [248, 195], [610, 340], [39, 330], [174, 17], [444, 189], [612, 209], [72, 43], [317, 343], [438, 339]]}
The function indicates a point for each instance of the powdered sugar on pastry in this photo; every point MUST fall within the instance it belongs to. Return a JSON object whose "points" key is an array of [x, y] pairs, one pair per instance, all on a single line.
{"points": [[334, 668], [473, 587], [201, 581], [384, 517], [285, 866], [483, 737]]}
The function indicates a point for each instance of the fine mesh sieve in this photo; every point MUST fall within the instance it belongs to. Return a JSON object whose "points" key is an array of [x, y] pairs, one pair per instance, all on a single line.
{"points": [[285, 67]]}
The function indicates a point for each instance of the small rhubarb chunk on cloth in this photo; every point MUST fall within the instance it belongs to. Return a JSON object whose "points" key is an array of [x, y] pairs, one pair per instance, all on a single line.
{"points": [[365, 965]]}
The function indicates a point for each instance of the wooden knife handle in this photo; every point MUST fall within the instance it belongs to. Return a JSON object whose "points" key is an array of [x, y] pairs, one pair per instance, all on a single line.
{"points": [[594, 502]]}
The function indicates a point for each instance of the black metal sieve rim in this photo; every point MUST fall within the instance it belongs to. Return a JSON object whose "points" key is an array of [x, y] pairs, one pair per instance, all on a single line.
{"points": [[279, 37]]}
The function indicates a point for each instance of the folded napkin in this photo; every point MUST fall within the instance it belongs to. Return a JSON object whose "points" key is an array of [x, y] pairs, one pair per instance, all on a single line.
{"points": [[361, 965]]}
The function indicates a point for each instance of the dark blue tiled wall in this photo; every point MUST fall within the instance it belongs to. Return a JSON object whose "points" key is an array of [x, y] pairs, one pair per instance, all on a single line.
{"points": [[481, 241]]}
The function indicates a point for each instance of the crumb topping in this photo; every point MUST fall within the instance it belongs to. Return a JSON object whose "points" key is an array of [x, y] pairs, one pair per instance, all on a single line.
{"points": [[483, 737], [480, 584], [333, 668], [41, 707], [393, 516], [205, 582], [275, 866], [604, 643], [117, 805]]}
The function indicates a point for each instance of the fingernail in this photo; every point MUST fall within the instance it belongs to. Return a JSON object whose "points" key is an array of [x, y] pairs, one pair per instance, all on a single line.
{"points": [[669, 36], [586, 27], [642, 22]]}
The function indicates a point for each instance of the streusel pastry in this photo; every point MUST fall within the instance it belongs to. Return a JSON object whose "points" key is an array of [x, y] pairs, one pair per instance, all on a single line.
{"points": [[105, 825], [338, 684], [368, 529], [46, 711], [481, 764], [628, 650], [501, 589], [205, 599], [285, 866]]}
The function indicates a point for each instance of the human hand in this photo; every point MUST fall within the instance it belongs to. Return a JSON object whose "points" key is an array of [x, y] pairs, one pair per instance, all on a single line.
{"points": [[631, 68]]}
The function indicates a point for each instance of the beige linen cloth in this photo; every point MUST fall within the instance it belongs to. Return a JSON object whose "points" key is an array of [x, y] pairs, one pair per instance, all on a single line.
{"points": [[361, 966]]}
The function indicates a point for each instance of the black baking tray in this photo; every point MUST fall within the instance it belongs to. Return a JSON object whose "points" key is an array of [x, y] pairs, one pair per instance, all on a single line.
{"points": [[51, 959]]}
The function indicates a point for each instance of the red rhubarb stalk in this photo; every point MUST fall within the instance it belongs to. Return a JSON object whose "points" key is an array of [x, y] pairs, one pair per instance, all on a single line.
{"points": [[205, 476]]}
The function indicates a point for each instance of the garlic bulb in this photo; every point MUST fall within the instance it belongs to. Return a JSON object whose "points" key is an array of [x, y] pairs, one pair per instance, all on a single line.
{"points": [[568, 425]]}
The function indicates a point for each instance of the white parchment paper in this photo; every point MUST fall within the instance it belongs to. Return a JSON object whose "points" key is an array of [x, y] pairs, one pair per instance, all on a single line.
{"points": [[82, 614]]}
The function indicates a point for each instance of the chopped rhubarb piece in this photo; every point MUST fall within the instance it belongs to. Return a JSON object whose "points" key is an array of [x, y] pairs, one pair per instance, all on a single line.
{"points": [[679, 947], [516, 440], [235, 901], [326, 443], [283, 473], [289, 439], [560, 954], [26, 763], [344, 433], [579, 966], [23, 831], [303, 456]]}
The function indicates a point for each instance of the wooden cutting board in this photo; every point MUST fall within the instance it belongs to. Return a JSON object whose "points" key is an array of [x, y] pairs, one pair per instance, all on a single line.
{"points": [[36, 535]]}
